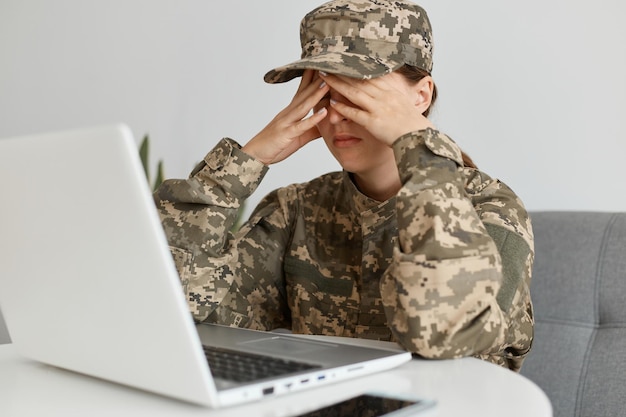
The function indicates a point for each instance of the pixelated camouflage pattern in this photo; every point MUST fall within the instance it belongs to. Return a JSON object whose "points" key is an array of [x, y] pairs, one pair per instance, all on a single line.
{"points": [[443, 268], [361, 39]]}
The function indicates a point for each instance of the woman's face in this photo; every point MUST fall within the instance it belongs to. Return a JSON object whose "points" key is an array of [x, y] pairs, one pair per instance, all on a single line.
{"points": [[356, 149]]}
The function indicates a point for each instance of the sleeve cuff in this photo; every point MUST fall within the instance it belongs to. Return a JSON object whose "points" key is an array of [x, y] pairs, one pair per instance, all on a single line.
{"points": [[237, 172]]}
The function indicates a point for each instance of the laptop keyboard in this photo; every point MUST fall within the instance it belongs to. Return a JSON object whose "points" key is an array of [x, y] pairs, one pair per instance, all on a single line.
{"points": [[245, 367]]}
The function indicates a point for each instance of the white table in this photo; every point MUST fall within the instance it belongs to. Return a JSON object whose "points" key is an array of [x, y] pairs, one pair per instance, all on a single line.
{"points": [[462, 387]]}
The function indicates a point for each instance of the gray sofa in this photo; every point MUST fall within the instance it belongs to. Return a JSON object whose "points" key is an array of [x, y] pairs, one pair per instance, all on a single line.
{"points": [[579, 297]]}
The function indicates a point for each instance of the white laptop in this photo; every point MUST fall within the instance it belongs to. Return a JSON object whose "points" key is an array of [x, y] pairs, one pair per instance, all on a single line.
{"points": [[87, 282]]}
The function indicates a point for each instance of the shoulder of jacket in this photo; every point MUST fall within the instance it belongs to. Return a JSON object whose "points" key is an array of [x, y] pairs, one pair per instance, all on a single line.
{"points": [[497, 204]]}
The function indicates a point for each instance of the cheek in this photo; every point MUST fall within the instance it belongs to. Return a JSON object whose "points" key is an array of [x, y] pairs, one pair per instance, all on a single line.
{"points": [[324, 129]]}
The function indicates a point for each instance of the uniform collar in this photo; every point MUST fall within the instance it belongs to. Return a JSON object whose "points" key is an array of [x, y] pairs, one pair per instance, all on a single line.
{"points": [[364, 206]]}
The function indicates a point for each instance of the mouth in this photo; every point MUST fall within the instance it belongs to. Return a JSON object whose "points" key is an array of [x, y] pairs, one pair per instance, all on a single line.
{"points": [[344, 140]]}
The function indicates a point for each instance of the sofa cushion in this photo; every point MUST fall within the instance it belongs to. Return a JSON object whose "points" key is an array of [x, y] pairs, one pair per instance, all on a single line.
{"points": [[579, 292]]}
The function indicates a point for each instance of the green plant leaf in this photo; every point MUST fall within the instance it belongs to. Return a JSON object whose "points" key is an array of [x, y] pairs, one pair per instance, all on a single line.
{"points": [[159, 177], [144, 151], [144, 155]]}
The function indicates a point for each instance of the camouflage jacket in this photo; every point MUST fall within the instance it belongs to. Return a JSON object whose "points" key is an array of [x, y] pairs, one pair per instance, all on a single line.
{"points": [[443, 268]]}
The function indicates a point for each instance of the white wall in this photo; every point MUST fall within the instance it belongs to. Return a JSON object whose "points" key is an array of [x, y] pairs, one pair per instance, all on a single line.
{"points": [[534, 91]]}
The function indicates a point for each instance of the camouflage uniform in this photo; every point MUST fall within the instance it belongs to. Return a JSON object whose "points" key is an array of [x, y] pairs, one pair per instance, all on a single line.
{"points": [[443, 268]]}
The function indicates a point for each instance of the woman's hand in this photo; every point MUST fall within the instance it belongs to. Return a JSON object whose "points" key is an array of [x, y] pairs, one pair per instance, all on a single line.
{"points": [[291, 129], [388, 106]]}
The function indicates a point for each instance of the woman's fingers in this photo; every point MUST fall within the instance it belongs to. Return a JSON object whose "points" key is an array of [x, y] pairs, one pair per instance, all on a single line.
{"points": [[308, 76], [293, 127], [307, 127], [355, 114], [366, 94], [309, 93], [385, 106]]}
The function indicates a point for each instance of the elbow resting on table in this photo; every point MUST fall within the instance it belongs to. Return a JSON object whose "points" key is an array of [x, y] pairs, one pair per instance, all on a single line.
{"points": [[447, 340]]}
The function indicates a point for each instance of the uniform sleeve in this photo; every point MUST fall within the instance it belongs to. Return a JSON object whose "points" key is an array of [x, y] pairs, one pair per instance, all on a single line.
{"points": [[215, 265], [452, 290]]}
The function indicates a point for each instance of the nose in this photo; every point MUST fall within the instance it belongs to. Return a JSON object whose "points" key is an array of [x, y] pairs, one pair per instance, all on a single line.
{"points": [[334, 117]]}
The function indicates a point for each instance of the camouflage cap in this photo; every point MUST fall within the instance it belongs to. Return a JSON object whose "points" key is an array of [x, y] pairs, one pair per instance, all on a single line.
{"points": [[361, 39]]}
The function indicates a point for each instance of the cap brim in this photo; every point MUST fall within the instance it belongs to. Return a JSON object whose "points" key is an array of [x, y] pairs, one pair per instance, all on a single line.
{"points": [[342, 63]]}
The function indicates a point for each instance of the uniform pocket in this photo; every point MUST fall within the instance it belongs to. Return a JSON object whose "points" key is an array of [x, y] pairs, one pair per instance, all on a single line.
{"points": [[373, 326], [318, 304]]}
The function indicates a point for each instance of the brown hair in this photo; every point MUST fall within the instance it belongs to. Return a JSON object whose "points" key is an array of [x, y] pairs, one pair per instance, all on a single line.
{"points": [[415, 74]]}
